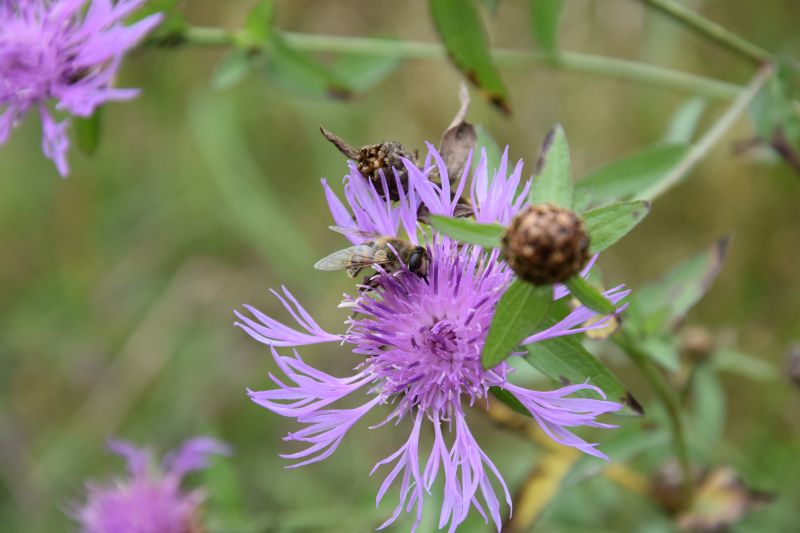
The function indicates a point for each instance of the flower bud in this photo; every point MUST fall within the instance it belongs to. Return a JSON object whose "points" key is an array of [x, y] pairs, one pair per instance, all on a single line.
{"points": [[697, 344], [370, 160], [546, 244], [385, 157]]}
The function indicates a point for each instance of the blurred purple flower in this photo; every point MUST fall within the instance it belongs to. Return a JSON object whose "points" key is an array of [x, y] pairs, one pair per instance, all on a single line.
{"points": [[151, 500], [65, 52], [421, 341]]}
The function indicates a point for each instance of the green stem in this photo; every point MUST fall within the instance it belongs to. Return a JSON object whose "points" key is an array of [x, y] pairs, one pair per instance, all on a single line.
{"points": [[699, 150], [712, 30], [569, 61], [671, 404]]}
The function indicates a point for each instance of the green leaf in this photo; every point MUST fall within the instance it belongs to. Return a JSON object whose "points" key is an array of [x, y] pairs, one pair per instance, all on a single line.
{"points": [[233, 68], [522, 307], [663, 304], [509, 399], [487, 142], [259, 23], [566, 361], [545, 18], [684, 122], [552, 181], [466, 230], [731, 360], [87, 131], [606, 225], [459, 26], [589, 295], [708, 412], [624, 178], [298, 71], [363, 71], [774, 115]]}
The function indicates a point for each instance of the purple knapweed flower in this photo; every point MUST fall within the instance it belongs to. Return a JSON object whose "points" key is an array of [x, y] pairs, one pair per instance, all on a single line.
{"points": [[151, 500], [65, 52], [419, 342]]}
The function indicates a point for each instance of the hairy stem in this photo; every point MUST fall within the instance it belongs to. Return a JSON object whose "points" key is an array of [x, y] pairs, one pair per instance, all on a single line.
{"points": [[568, 61], [699, 150], [712, 30], [671, 404]]}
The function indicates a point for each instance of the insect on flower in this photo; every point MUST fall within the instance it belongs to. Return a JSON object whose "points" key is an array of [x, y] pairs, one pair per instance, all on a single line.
{"points": [[417, 341], [389, 253]]}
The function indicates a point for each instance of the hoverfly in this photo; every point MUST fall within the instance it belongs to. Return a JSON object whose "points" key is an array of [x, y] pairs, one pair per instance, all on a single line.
{"points": [[391, 253]]}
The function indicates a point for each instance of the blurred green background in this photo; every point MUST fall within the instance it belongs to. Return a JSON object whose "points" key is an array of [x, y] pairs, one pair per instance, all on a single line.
{"points": [[117, 285]]}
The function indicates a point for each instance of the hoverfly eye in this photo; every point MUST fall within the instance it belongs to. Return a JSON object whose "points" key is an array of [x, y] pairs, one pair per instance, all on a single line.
{"points": [[415, 262]]}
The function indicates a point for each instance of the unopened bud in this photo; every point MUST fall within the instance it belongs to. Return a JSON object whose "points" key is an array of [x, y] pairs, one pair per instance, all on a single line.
{"points": [[546, 244], [697, 343]]}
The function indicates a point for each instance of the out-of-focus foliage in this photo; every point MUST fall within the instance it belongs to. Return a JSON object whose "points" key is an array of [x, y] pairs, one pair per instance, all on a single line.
{"points": [[117, 285]]}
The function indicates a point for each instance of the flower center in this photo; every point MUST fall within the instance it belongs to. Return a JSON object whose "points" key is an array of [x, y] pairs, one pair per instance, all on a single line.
{"points": [[441, 339]]}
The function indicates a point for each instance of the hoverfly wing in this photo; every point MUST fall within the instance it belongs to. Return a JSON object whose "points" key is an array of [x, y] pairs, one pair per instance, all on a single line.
{"points": [[343, 259], [355, 232]]}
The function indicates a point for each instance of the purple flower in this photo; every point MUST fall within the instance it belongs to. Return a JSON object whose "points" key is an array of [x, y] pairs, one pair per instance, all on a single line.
{"points": [[151, 501], [65, 52], [419, 340]]}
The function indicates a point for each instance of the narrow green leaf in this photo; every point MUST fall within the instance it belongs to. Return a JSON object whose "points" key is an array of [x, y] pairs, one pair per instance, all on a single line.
{"points": [[731, 360], [545, 18], [589, 295], [233, 68], [509, 399], [487, 142], [259, 22], [606, 225], [624, 178], [708, 411], [460, 28], [663, 304], [466, 230], [684, 122], [553, 175], [522, 307], [298, 71], [566, 361], [87, 131], [363, 71]]}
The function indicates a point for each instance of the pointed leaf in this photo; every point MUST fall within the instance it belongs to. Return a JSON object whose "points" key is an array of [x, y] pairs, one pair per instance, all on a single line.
{"points": [[466, 230], [566, 361], [363, 71], [87, 131], [296, 70], [589, 295], [553, 176], [233, 68], [460, 28], [545, 18], [510, 400], [684, 122], [522, 307], [624, 178], [606, 225], [258, 25], [663, 304]]}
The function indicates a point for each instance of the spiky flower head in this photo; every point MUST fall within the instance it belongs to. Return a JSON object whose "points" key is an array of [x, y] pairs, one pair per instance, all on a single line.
{"points": [[417, 342], [151, 499], [64, 52]]}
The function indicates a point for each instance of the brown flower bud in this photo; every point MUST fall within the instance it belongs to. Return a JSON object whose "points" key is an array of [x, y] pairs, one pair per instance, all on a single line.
{"points": [[546, 244], [697, 344], [385, 157], [374, 158]]}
